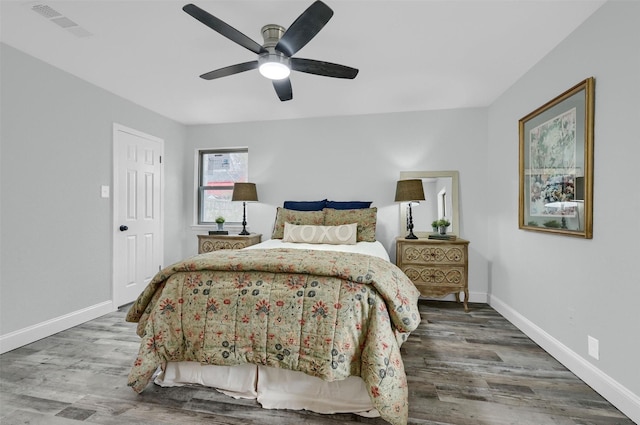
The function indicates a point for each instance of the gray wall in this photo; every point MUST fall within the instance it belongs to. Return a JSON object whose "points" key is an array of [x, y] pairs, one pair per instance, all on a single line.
{"points": [[570, 288], [56, 153]]}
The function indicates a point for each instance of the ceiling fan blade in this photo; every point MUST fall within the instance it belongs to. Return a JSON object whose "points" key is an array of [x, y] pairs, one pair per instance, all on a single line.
{"points": [[223, 28], [326, 69], [283, 89], [230, 70], [304, 28]]}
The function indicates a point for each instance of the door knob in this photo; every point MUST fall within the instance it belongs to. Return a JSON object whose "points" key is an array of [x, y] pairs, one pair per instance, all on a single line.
{"points": [[123, 228]]}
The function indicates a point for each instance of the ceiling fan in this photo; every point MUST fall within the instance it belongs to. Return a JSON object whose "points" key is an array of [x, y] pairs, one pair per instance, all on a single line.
{"points": [[275, 59]]}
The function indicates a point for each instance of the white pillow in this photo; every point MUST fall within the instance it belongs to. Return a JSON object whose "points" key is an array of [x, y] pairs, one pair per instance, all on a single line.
{"points": [[345, 234]]}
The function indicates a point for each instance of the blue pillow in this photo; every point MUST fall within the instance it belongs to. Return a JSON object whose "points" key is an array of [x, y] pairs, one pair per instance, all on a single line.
{"points": [[348, 205], [305, 205]]}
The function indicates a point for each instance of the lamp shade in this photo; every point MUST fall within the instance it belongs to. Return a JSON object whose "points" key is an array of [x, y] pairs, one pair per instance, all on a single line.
{"points": [[409, 190], [244, 192]]}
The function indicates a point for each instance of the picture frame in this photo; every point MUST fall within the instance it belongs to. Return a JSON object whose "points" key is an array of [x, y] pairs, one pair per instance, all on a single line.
{"points": [[556, 164]]}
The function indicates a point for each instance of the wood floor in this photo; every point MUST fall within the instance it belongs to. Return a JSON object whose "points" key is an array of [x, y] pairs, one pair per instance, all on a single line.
{"points": [[463, 369]]}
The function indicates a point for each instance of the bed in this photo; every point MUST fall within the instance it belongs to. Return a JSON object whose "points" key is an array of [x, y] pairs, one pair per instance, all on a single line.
{"points": [[303, 314]]}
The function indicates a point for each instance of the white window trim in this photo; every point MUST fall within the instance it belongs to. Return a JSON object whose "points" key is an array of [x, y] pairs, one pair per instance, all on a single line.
{"points": [[196, 187]]}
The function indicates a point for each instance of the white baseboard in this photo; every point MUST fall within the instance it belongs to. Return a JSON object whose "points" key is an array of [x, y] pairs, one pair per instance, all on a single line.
{"points": [[617, 394], [33, 333]]}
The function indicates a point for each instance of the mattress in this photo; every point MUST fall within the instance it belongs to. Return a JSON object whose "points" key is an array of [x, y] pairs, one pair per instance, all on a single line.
{"points": [[370, 248]]}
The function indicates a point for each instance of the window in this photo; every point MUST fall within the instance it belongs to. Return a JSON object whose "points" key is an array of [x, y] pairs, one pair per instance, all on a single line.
{"points": [[218, 170]]}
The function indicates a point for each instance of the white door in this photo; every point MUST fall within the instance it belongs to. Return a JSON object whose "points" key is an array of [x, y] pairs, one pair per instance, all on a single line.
{"points": [[137, 203]]}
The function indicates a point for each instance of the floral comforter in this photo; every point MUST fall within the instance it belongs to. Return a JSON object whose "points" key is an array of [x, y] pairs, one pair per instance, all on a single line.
{"points": [[327, 314]]}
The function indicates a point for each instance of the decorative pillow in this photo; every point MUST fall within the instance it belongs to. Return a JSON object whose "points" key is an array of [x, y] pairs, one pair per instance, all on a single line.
{"points": [[305, 205], [283, 215], [334, 235], [365, 217], [347, 205]]}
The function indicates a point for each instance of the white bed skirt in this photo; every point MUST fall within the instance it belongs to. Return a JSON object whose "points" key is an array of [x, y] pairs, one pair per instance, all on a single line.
{"points": [[274, 388]]}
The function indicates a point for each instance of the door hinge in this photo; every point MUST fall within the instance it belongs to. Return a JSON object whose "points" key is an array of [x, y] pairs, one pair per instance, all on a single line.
{"points": [[160, 159]]}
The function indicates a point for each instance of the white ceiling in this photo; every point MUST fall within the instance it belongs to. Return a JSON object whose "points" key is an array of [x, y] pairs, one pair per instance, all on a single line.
{"points": [[412, 55]]}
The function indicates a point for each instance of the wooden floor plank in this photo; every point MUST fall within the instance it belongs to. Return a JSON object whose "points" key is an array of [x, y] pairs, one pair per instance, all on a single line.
{"points": [[463, 369]]}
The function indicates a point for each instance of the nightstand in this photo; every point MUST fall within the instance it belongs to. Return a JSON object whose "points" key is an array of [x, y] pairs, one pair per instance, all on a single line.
{"points": [[436, 267], [208, 243]]}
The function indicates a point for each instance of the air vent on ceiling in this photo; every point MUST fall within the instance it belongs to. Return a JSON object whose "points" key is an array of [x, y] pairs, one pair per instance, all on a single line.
{"points": [[64, 22], [45, 10], [57, 18]]}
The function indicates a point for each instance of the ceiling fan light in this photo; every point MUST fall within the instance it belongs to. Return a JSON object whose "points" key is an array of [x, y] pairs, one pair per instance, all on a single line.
{"points": [[274, 70], [274, 65]]}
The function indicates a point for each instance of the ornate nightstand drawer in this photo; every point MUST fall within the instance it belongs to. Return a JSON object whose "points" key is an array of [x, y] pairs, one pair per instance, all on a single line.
{"points": [[449, 276], [209, 243], [446, 254]]}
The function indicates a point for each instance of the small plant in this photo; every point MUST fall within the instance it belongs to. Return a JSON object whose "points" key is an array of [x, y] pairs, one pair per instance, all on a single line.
{"points": [[219, 219], [434, 224], [443, 222]]}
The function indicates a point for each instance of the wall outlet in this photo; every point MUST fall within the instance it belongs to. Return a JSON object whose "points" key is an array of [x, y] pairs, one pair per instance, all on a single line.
{"points": [[104, 191], [594, 347]]}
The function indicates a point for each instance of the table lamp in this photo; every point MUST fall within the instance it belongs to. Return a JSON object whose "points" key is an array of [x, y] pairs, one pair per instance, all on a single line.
{"points": [[410, 191], [245, 192]]}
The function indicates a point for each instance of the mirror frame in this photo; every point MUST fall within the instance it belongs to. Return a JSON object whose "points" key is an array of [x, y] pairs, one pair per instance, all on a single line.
{"points": [[455, 217]]}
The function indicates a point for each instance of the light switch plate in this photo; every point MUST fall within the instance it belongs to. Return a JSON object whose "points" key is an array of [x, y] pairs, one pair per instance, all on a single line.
{"points": [[104, 191], [593, 346]]}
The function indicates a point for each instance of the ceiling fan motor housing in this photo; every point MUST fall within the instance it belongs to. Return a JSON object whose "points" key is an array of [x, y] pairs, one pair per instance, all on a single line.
{"points": [[273, 64]]}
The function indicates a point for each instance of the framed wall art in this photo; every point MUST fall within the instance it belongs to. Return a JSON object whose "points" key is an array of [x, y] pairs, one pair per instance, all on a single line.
{"points": [[556, 164]]}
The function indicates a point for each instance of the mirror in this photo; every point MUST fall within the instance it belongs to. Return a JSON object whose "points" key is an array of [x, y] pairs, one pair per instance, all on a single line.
{"points": [[441, 200]]}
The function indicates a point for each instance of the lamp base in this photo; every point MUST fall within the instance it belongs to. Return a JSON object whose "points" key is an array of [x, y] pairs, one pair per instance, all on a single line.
{"points": [[410, 225], [244, 220]]}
